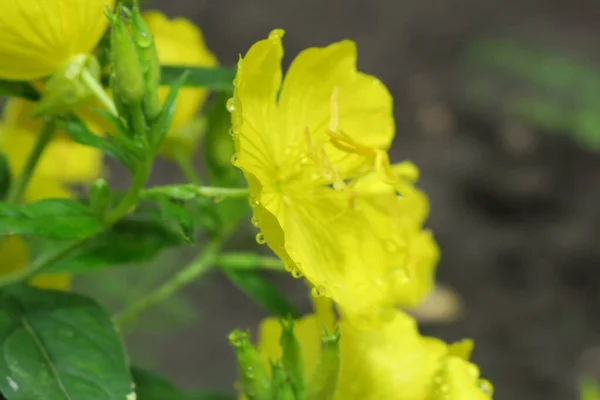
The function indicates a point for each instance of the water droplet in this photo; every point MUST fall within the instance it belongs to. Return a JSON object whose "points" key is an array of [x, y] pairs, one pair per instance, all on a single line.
{"points": [[338, 185], [318, 291], [253, 202], [288, 267], [143, 39], [250, 373], [231, 132], [260, 239], [399, 195], [234, 158], [296, 273], [401, 276], [485, 386], [254, 221], [230, 105]]}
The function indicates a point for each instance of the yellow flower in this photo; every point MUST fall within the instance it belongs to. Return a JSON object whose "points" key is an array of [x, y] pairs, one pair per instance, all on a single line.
{"points": [[63, 163], [313, 150], [179, 42], [39, 37], [394, 362]]}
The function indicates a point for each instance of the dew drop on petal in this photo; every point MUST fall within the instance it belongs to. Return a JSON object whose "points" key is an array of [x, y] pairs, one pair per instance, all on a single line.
{"points": [[254, 221], [230, 105], [318, 291], [260, 239]]}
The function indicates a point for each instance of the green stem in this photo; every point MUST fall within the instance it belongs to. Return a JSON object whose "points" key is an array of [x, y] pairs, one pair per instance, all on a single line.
{"points": [[99, 92], [200, 191], [195, 269], [45, 136], [249, 261], [139, 123], [132, 197]]}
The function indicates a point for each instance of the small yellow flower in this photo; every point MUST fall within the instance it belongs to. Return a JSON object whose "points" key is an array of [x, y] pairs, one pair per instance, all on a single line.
{"points": [[180, 43], [39, 37], [63, 163], [313, 150], [394, 362]]}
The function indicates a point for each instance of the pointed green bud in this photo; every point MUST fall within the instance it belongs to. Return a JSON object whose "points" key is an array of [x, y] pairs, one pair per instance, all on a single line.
{"points": [[322, 384], [252, 374], [100, 197], [128, 78], [281, 386], [149, 61], [67, 88], [292, 357]]}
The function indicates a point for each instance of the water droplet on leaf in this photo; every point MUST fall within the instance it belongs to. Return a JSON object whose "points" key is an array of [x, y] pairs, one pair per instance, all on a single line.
{"points": [[260, 239], [230, 105]]}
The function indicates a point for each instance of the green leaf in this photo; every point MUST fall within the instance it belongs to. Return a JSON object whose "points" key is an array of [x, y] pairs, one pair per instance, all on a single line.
{"points": [[161, 127], [140, 236], [51, 218], [218, 79], [150, 386], [5, 176], [120, 148], [59, 346], [218, 150], [262, 292], [18, 89]]}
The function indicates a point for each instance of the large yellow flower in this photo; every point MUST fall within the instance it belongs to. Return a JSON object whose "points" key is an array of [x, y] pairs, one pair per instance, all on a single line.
{"points": [[394, 362], [179, 42], [39, 37], [313, 150], [62, 164]]}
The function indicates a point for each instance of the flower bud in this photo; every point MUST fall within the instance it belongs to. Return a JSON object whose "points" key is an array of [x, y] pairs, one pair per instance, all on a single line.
{"points": [[148, 56], [67, 88], [292, 357], [252, 374], [323, 382], [128, 78], [281, 386]]}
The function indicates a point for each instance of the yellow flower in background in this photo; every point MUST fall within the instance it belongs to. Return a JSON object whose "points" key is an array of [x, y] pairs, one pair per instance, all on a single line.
{"points": [[313, 150], [180, 43], [40, 37], [394, 362], [63, 163]]}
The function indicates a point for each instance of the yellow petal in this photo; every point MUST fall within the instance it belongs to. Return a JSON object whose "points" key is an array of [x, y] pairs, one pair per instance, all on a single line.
{"points": [[394, 362], [322, 91], [180, 42], [254, 119], [38, 37], [458, 379]]}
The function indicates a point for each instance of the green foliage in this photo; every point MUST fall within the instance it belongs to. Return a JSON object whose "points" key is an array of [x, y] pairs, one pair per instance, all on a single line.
{"points": [[59, 346], [138, 237], [150, 386], [218, 79], [262, 292], [589, 389], [553, 91], [52, 218], [18, 89]]}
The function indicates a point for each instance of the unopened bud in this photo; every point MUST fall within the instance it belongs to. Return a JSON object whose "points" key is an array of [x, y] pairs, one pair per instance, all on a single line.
{"points": [[292, 357], [252, 374], [323, 382], [128, 78], [149, 61]]}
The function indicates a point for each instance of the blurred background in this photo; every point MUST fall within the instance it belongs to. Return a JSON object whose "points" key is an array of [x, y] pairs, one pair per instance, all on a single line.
{"points": [[498, 103]]}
